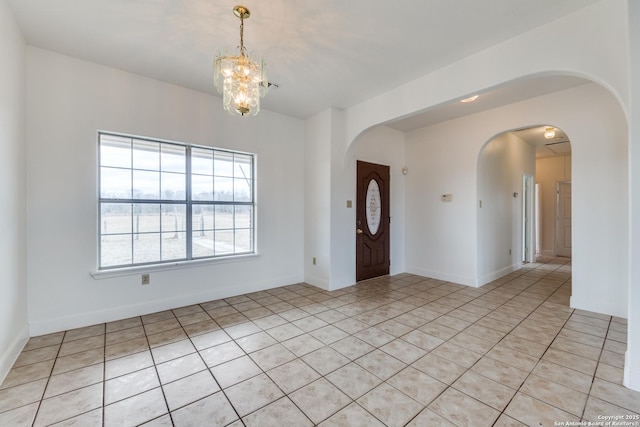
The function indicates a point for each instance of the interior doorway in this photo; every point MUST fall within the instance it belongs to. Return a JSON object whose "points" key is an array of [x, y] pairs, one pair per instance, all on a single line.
{"points": [[372, 220], [563, 219]]}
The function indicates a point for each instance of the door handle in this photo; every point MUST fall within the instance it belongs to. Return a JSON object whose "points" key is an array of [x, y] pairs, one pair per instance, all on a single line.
{"points": [[359, 231]]}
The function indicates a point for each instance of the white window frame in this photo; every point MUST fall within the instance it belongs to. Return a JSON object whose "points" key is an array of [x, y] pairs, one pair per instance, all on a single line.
{"points": [[190, 258]]}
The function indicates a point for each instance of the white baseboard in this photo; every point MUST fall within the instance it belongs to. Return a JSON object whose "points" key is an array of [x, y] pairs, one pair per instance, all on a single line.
{"points": [[498, 274], [598, 306], [631, 373], [8, 358], [318, 282], [47, 326], [443, 276]]}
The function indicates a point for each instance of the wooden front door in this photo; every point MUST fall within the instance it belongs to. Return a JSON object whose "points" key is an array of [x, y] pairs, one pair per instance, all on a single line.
{"points": [[372, 220]]}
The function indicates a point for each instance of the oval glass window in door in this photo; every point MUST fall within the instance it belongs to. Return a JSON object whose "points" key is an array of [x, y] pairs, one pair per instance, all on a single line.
{"points": [[373, 206]]}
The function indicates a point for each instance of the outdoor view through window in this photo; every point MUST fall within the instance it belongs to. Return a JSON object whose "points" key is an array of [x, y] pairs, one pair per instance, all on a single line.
{"points": [[166, 202]]}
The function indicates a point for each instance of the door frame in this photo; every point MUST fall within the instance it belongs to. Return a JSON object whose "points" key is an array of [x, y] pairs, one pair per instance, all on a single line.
{"points": [[528, 215]]}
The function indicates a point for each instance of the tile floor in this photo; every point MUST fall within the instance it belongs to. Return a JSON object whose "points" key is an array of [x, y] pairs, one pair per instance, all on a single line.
{"points": [[397, 351]]}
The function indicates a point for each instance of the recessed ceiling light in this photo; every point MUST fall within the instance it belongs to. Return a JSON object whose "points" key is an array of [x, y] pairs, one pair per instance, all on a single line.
{"points": [[549, 133], [469, 99]]}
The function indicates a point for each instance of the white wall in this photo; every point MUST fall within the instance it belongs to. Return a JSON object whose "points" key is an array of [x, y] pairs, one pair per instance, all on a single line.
{"points": [[632, 361], [443, 159], [317, 190], [501, 166], [13, 289], [550, 171], [442, 239], [68, 101]]}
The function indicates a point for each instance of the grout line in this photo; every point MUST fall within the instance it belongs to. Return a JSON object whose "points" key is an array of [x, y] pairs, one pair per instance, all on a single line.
{"points": [[398, 290]]}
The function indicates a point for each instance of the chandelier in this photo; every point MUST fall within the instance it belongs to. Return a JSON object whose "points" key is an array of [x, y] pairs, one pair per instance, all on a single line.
{"points": [[241, 80]]}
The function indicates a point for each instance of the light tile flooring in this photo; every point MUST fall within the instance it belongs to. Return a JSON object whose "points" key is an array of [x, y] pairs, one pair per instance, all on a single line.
{"points": [[395, 351]]}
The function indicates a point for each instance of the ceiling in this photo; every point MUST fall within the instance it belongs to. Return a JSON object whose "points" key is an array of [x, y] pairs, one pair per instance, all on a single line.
{"points": [[559, 145], [322, 53]]}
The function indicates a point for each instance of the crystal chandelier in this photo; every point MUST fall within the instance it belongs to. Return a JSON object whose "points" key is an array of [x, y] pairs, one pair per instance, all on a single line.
{"points": [[241, 80]]}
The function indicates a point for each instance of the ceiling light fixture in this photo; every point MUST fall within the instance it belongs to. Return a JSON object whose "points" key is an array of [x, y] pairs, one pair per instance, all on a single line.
{"points": [[469, 99], [241, 80], [549, 133]]}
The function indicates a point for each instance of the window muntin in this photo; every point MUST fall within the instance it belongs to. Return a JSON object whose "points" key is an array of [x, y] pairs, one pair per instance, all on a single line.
{"points": [[165, 202]]}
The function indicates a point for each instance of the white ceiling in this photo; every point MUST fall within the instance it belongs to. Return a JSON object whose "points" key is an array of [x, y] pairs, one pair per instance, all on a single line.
{"points": [[556, 146], [322, 53]]}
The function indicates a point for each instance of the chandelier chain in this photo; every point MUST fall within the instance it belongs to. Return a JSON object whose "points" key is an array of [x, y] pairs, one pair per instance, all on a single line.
{"points": [[242, 49]]}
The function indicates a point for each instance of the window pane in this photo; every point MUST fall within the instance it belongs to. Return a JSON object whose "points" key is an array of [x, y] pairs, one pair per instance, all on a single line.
{"points": [[201, 161], [146, 247], [173, 158], [202, 219], [115, 217], [115, 183], [201, 187], [146, 185], [202, 244], [223, 189], [244, 216], [146, 155], [242, 166], [115, 250], [133, 169], [243, 241], [115, 151], [174, 218], [146, 218], [174, 246], [224, 217], [173, 186], [224, 242], [223, 164], [241, 190]]}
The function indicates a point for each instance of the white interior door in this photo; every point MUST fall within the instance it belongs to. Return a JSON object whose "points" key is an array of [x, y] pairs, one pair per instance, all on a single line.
{"points": [[563, 220], [528, 205]]}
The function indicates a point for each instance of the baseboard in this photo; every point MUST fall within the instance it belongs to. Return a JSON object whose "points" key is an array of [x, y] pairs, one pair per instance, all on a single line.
{"points": [[468, 281], [318, 282], [631, 373], [498, 274], [47, 326], [8, 358], [598, 306], [548, 253]]}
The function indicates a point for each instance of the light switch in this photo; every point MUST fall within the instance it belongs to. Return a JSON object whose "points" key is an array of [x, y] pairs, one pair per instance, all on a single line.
{"points": [[349, 203], [447, 197]]}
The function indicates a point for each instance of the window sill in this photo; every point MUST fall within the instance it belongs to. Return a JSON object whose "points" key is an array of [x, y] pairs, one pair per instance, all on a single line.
{"points": [[130, 271]]}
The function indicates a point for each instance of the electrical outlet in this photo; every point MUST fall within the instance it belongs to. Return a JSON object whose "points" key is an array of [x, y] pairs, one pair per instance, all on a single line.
{"points": [[314, 260], [145, 279]]}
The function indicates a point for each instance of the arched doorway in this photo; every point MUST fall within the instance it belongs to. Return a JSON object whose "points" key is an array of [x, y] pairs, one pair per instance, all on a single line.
{"points": [[518, 205]]}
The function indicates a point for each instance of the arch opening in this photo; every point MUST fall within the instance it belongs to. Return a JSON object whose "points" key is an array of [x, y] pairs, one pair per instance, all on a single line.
{"points": [[524, 199]]}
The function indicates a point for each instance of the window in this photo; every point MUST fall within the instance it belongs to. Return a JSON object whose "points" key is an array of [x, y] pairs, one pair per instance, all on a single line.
{"points": [[166, 202]]}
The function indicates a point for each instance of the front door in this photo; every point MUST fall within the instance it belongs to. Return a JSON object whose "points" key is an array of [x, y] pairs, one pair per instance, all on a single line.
{"points": [[372, 220]]}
